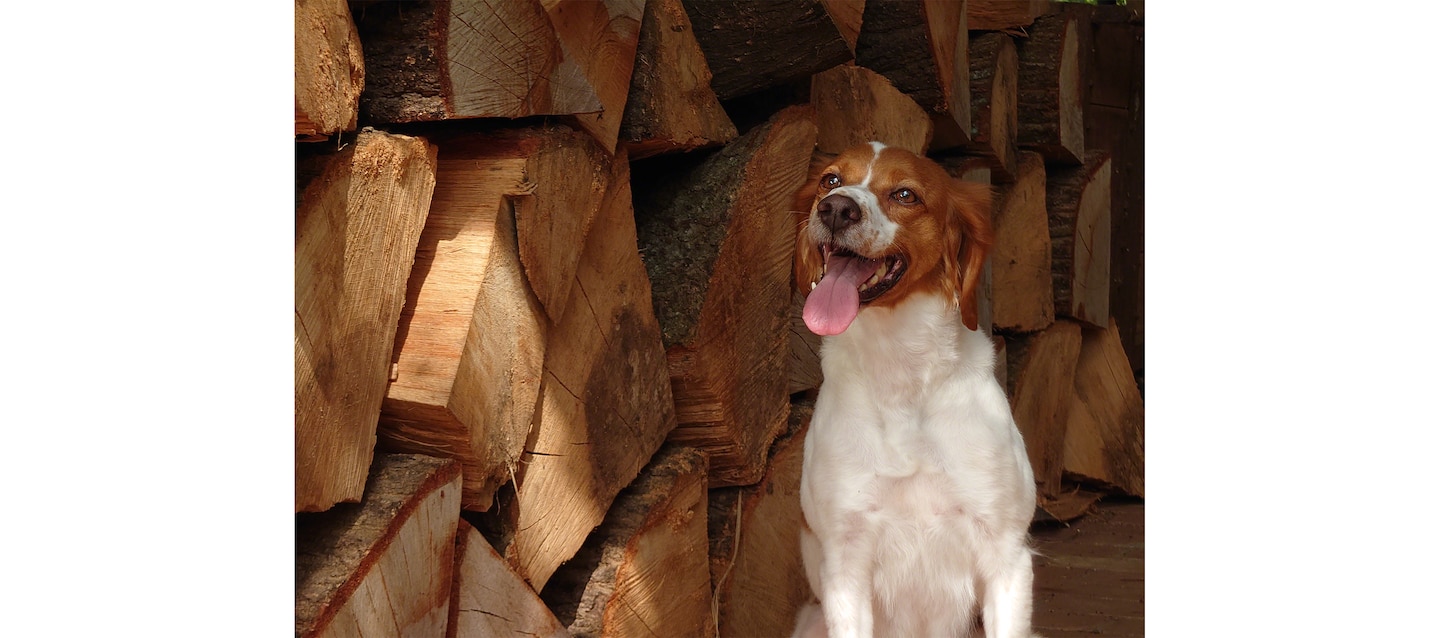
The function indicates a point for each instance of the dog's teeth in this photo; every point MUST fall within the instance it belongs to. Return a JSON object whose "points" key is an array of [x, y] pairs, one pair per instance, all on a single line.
{"points": [[813, 284]]}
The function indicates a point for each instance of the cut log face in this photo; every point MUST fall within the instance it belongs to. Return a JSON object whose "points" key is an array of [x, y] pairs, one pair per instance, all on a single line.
{"points": [[1041, 385], [605, 403], [644, 571], [1078, 201], [922, 47], [472, 337], [756, 45], [488, 599], [329, 68], [718, 244], [755, 558], [1105, 437], [854, 105], [383, 566], [1020, 256], [1050, 90], [1005, 15], [356, 228], [600, 38], [671, 106], [443, 59], [993, 69]]}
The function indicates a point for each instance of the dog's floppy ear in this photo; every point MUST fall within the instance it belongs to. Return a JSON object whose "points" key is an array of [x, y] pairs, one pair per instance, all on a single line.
{"points": [[968, 238], [807, 260]]}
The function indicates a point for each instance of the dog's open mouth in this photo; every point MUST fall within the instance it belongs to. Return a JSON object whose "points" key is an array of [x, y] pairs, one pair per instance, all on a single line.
{"points": [[847, 281]]}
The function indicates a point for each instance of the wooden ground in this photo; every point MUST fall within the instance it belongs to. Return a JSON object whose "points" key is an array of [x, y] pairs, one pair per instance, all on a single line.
{"points": [[1090, 575]]}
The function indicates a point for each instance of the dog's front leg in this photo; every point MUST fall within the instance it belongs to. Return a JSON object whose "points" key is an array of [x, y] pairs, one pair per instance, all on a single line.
{"points": [[1008, 598], [846, 576]]}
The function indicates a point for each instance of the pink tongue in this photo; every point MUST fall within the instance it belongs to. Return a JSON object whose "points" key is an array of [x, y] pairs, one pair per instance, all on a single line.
{"points": [[835, 301]]}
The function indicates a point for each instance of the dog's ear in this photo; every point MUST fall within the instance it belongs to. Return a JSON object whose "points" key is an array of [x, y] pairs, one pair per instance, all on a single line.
{"points": [[807, 260], [968, 238]]}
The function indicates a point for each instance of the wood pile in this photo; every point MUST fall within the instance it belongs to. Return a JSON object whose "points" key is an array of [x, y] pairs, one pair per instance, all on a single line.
{"points": [[550, 378]]}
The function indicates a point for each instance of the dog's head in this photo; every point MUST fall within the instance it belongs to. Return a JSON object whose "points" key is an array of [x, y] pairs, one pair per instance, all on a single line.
{"points": [[885, 224]]}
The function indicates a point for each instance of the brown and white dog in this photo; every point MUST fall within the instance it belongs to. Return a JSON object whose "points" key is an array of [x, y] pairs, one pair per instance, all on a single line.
{"points": [[916, 489]]}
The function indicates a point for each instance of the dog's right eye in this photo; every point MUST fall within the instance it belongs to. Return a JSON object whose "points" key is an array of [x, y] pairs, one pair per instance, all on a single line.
{"points": [[830, 180]]}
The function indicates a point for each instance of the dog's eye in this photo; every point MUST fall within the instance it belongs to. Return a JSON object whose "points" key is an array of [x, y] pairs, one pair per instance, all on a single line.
{"points": [[904, 196], [830, 180]]}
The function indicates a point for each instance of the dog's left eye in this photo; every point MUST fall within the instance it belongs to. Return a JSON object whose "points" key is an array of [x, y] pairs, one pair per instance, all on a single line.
{"points": [[904, 196]]}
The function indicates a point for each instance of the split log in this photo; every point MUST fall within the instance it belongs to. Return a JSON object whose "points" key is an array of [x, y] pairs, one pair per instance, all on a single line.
{"points": [[605, 404], [1041, 384], [488, 599], [755, 542], [444, 59], [847, 15], [993, 69], [600, 37], [805, 373], [1069, 505], [472, 336], [1005, 15], [382, 566], [329, 68], [1024, 289], [644, 570], [671, 105], [968, 168], [1050, 89], [854, 105], [756, 45], [718, 242], [1105, 435], [1078, 201], [922, 47], [356, 228]]}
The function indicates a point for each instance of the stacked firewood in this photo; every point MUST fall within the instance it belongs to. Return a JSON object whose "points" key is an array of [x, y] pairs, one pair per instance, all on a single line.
{"points": [[548, 373]]}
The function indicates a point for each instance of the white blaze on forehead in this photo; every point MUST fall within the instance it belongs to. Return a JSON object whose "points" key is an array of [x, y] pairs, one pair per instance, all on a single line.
{"points": [[875, 232]]}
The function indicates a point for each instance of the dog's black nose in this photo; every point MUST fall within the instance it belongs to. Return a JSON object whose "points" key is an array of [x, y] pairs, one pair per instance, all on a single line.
{"points": [[837, 212]]}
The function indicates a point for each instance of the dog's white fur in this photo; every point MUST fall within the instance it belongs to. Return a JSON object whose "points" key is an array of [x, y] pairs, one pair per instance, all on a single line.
{"points": [[916, 488]]}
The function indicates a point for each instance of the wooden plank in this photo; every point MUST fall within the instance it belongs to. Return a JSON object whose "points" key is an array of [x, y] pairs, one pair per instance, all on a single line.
{"points": [[329, 68], [1021, 255], [644, 570], [1105, 435], [490, 599], [671, 105], [752, 46], [854, 105], [718, 242], [473, 332], [447, 59], [356, 228], [382, 566], [1078, 204], [605, 404], [755, 559]]}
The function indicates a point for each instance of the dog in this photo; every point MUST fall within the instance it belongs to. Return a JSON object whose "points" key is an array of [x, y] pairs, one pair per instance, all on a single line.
{"points": [[916, 489]]}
